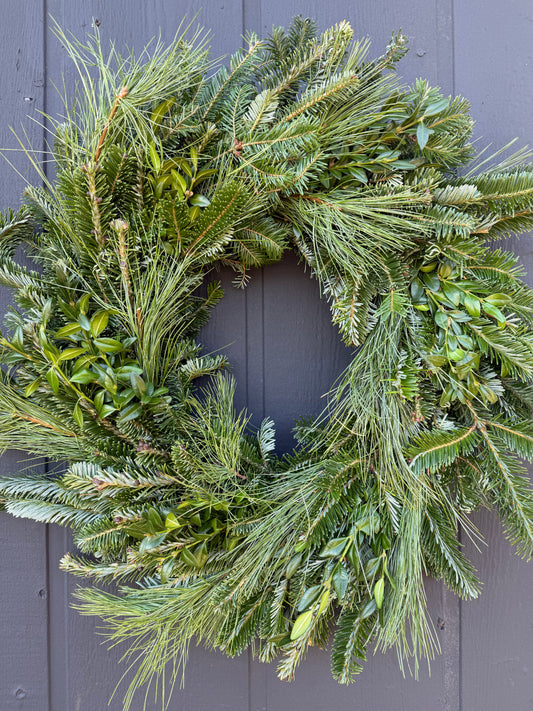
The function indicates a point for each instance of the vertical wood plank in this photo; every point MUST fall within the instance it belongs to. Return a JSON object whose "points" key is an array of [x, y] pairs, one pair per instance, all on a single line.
{"points": [[494, 60], [302, 354], [84, 672], [23, 563], [451, 605], [23, 617]]}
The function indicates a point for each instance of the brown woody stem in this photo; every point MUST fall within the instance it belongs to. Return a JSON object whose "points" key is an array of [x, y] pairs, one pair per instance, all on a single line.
{"points": [[121, 94]]}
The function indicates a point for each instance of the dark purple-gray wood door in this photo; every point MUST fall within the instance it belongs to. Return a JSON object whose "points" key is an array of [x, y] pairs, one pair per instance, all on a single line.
{"points": [[285, 355]]}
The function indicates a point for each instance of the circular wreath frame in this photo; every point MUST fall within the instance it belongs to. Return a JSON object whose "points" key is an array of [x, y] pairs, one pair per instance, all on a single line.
{"points": [[167, 168]]}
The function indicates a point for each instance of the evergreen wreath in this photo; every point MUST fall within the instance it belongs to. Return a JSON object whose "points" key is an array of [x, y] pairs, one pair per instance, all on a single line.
{"points": [[168, 166]]}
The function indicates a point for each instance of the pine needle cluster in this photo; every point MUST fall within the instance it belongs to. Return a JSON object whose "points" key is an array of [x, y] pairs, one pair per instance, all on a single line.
{"points": [[168, 166]]}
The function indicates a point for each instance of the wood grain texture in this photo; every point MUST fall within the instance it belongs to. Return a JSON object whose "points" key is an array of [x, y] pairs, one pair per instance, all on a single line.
{"points": [[480, 49], [84, 672], [23, 560], [494, 69], [297, 329]]}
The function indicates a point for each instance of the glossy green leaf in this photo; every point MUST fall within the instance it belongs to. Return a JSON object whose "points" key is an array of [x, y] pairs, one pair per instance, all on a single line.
{"points": [[447, 395], [456, 355], [465, 341], [53, 380], [138, 385], [155, 520], [232, 542], [441, 319], [32, 387], [188, 558], [435, 107], [185, 167], [70, 353], [437, 361], [340, 582], [124, 371], [368, 523], [403, 165], [83, 303], [166, 570], [324, 601], [372, 566], [353, 556], [472, 305], [422, 134], [432, 281], [309, 597], [489, 394], [194, 157], [108, 345], [99, 322], [418, 291], [293, 566], [84, 322], [78, 415], [201, 554], [451, 342], [379, 591], [203, 174], [69, 330], [498, 299], [155, 159], [83, 363], [131, 412], [302, 625], [334, 547], [123, 397], [359, 174], [99, 399], [179, 181], [150, 542], [18, 338], [159, 112], [50, 352], [279, 640], [193, 213], [200, 200], [83, 376], [445, 270], [452, 292], [106, 410], [493, 311]]}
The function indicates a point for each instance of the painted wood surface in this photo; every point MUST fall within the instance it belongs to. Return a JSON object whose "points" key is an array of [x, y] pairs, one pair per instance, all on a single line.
{"points": [[50, 658]]}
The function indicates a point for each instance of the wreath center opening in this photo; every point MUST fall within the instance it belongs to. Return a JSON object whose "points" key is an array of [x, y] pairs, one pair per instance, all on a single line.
{"points": [[283, 349]]}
